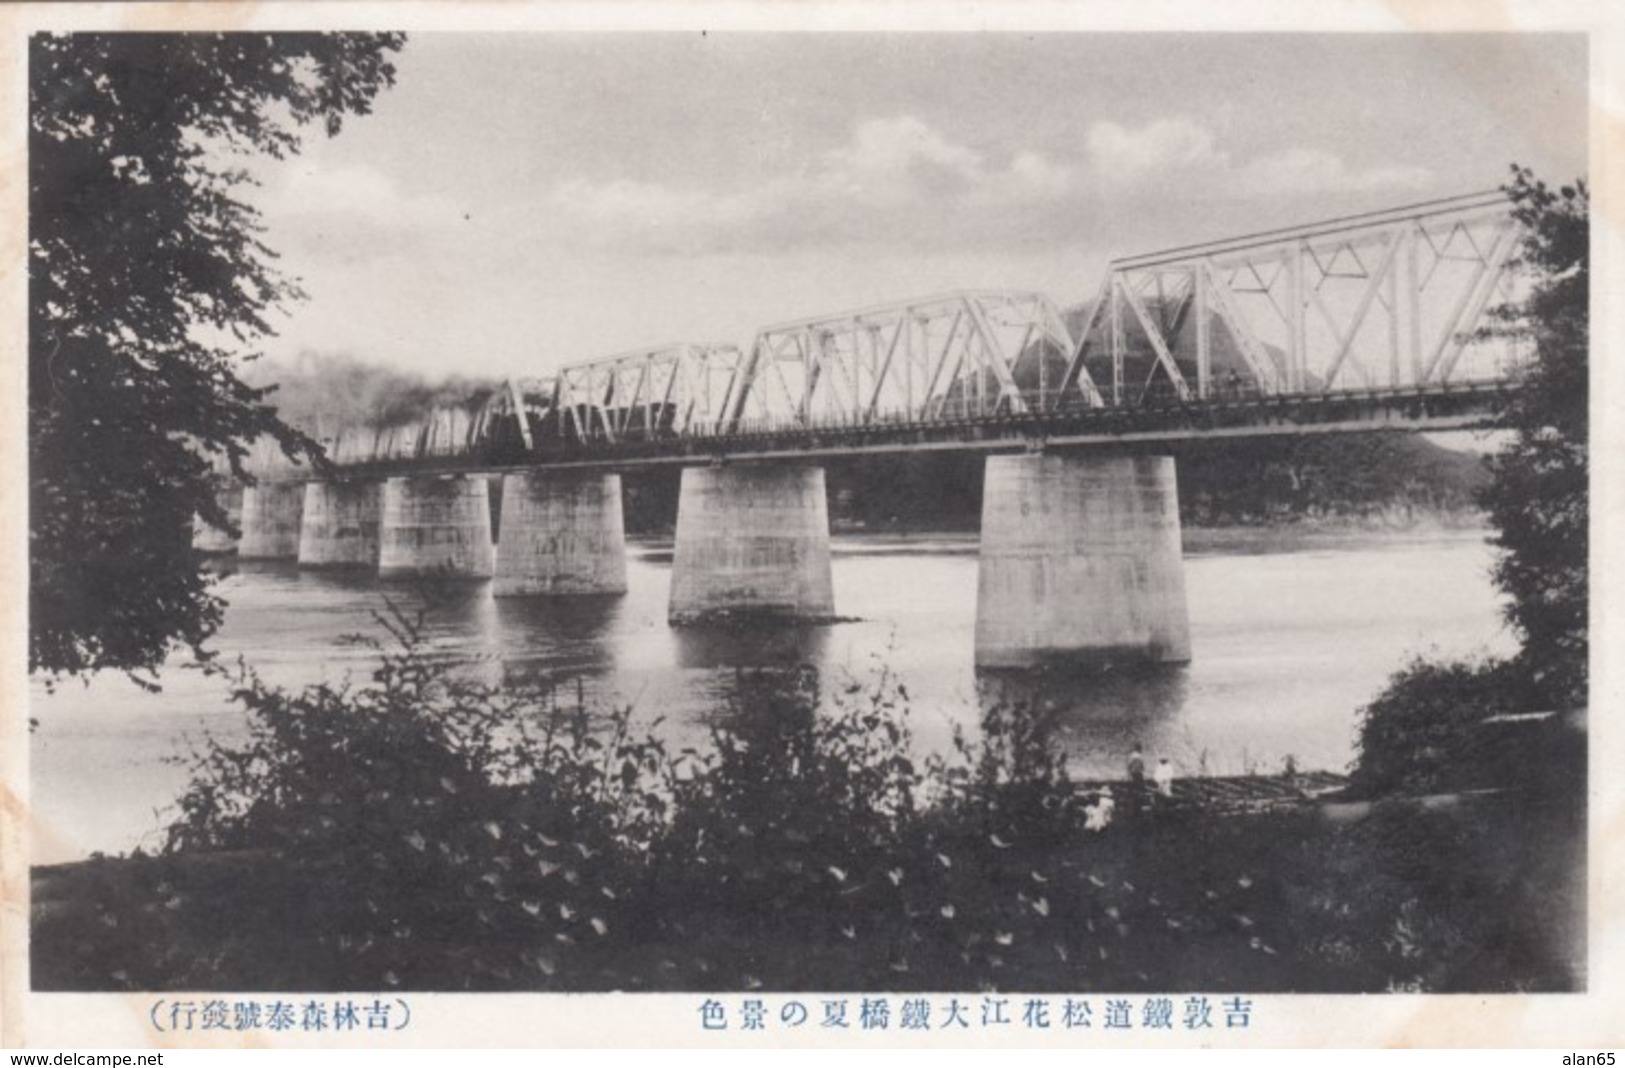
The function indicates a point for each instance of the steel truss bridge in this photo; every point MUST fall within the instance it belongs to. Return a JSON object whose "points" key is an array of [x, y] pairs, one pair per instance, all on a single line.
{"points": [[1355, 323]]}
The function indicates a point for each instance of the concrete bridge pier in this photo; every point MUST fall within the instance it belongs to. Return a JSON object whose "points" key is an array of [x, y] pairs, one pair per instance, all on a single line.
{"points": [[751, 541], [1080, 562], [436, 526], [562, 533], [209, 540], [271, 516], [340, 524]]}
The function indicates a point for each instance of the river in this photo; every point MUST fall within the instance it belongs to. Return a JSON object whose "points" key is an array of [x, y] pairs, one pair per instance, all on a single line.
{"points": [[1290, 635]]}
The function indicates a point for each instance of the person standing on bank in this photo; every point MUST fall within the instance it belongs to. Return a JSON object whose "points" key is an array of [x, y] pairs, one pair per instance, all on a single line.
{"points": [[1164, 777], [1136, 778], [1098, 816]]}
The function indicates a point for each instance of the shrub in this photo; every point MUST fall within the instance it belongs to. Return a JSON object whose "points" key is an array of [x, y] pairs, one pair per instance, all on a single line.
{"points": [[434, 825], [436, 833], [1424, 732]]}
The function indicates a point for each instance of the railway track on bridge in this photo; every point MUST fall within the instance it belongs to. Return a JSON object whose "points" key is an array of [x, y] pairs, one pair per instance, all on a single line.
{"points": [[1454, 406]]}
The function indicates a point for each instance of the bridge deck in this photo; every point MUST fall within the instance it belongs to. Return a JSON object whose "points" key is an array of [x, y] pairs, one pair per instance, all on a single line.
{"points": [[1435, 408]]}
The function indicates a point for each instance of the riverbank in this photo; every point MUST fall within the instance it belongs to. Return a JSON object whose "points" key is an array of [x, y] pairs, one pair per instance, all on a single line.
{"points": [[1483, 895]]}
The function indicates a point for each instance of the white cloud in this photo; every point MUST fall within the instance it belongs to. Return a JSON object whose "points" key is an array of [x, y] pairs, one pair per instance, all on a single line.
{"points": [[895, 177], [353, 212], [1120, 155], [888, 159], [899, 181], [1180, 149], [1032, 175]]}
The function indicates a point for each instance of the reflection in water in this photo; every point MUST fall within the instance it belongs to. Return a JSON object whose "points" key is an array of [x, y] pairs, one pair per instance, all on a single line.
{"points": [[567, 634], [767, 708], [761, 644], [553, 641], [1100, 713], [1286, 646]]}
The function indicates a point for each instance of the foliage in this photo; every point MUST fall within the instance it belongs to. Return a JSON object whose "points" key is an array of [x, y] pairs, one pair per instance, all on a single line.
{"points": [[1426, 731], [1419, 735], [1486, 898], [1538, 496], [595, 864], [788, 825], [1364, 477], [454, 835], [1479, 899], [428, 812], [147, 275], [426, 832]]}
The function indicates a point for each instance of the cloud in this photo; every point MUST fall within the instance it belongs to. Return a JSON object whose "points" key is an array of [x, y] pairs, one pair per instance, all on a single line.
{"points": [[1032, 175], [891, 158], [351, 212], [1119, 155], [1182, 150], [900, 182], [894, 179]]}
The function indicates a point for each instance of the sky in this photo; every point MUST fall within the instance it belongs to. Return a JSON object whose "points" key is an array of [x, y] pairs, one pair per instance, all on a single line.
{"points": [[521, 202]]}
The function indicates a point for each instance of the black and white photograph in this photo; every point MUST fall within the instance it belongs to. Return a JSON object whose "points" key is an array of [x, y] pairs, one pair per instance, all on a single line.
{"points": [[863, 533]]}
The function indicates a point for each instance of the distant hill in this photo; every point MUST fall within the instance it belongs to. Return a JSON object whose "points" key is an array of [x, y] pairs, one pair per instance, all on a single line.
{"points": [[1381, 477]]}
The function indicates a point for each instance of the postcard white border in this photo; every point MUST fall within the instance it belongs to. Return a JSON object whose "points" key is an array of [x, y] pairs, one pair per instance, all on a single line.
{"points": [[1570, 1021]]}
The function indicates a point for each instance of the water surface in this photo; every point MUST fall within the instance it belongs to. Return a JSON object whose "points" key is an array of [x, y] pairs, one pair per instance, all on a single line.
{"points": [[1289, 637]]}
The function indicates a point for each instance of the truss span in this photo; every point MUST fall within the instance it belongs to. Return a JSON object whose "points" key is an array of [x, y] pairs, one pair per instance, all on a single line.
{"points": [[967, 354], [1393, 305], [669, 391], [1389, 300]]}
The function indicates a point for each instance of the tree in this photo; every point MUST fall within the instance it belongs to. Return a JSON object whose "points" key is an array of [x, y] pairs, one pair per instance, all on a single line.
{"points": [[1433, 726], [1537, 497], [148, 280]]}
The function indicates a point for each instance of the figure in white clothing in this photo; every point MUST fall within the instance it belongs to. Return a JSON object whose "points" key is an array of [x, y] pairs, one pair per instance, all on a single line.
{"points": [[1164, 778], [1098, 816]]}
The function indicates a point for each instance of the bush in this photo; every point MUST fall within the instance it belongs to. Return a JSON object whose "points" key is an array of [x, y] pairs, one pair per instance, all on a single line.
{"points": [[1425, 732], [811, 825], [428, 833], [432, 822], [435, 833]]}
